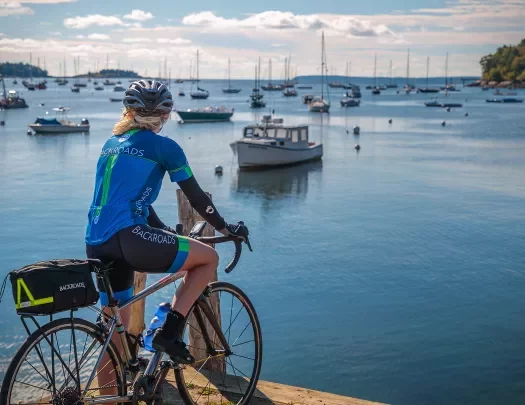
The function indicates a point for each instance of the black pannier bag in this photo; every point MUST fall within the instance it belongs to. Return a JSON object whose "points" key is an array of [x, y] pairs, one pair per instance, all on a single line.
{"points": [[48, 287]]}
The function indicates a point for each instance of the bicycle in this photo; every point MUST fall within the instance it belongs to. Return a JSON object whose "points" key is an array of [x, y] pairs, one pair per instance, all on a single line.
{"points": [[45, 371]]}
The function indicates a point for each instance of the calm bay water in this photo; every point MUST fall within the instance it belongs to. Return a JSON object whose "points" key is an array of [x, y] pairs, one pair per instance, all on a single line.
{"points": [[395, 274]]}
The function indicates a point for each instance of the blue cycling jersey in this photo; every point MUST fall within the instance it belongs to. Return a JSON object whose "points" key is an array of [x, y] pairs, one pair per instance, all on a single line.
{"points": [[129, 177]]}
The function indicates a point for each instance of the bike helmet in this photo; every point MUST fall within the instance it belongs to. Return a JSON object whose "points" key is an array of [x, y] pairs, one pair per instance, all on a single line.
{"points": [[148, 96]]}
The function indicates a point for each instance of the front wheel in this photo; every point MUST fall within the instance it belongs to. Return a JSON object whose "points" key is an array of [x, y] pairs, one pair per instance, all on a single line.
{"points": [[220, 377], [55, 363]]}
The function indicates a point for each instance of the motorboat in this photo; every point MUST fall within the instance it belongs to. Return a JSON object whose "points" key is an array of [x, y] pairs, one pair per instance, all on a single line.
{"points": [[119, 88], [336, 85], [80, 85], [59, 125], [354, 93], [12, 101], [272, 87], [376, 91], [99, 88], [504, 100], [115, 99], [433, 103], [350, 102], [307, 98], [108, 83], [181, 93], [289, 92], [304, 86], [75, 89], [270, 144], [207, 114]]}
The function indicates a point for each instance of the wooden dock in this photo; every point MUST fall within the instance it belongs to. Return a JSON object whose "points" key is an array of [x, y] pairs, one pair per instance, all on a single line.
{"points": [[269, 393]]}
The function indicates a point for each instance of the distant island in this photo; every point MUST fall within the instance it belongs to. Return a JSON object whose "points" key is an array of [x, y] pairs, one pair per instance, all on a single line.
{"points": [[110, 73], [505, 68], [9, 69]]}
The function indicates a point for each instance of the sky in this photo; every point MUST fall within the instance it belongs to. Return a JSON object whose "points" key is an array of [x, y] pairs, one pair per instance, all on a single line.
{"points": [[142, 35]]}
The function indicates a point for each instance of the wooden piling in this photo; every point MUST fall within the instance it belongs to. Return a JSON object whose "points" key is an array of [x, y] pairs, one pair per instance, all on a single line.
{"points": [[136, 325], [188, 217]]}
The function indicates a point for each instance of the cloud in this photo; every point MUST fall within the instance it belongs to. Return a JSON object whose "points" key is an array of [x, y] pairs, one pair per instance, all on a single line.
{"points": [[174, 41], [13, 8], [271, 20], [136, 40], [139, 15], [98, 37], [93, 19]]}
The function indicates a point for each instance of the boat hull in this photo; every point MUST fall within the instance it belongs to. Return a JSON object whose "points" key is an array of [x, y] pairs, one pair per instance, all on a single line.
{"points": [[58, 129], [199, 96], [231, 91], [252, 155], [193, 116], [428, 90]]}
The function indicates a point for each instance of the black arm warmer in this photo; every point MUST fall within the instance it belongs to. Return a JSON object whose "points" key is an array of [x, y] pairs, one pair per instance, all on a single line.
{"points": [[153, 220], [201, 203]]}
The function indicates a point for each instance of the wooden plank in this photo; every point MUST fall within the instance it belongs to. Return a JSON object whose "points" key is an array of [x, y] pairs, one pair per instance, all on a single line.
{"points": [[267, 393], [188, 217]]}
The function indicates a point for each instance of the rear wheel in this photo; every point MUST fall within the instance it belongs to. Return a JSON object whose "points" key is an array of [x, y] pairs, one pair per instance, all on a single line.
{"points": [[55, 363], [218, 377]]}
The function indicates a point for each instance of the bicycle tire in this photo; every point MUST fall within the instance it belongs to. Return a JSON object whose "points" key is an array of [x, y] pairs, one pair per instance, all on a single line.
{"points": [[243, 298], [38, 337]]}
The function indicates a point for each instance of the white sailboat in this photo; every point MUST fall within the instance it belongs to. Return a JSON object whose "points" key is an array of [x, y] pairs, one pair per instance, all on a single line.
{"points": [[320, 104], [408, 87], [200, 94], [230, 89]]}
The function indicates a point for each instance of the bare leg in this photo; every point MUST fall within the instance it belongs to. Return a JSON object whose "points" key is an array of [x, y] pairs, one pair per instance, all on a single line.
{"points": [[106, 372], [200, 267]]}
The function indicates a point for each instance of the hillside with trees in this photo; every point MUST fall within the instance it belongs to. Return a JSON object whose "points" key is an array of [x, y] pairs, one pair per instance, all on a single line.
{"points": [[9, 69], [111, 73], [506, 64]]}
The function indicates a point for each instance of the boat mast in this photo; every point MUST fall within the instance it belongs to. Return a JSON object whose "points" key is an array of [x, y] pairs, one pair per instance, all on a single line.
{"points": [[270, 71], [390, 71], [197, 66], [428, 62], [375, 63], [408, 67], [229, 86], [322, 66], [259, 74], [446, 70], [30, 67]]}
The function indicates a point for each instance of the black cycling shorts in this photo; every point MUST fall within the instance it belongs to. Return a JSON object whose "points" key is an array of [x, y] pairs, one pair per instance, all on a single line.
{"points": [[138, 248]]}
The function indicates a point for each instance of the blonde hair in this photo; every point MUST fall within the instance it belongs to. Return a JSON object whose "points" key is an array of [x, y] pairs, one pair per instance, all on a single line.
{"points": [[129, 120]]}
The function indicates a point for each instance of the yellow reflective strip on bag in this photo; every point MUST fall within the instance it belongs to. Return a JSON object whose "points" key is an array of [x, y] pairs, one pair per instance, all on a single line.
{"points": [[32, 302]]}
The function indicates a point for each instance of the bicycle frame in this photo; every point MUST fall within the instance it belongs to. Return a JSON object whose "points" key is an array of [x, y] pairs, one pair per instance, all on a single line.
{"points": [[115, 324]]}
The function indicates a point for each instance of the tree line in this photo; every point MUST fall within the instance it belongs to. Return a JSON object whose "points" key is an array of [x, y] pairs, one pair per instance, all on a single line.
{"points": [[21, 70], [506, 64]]}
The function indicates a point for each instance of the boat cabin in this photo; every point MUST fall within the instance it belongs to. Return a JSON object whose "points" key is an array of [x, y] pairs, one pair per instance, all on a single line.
{"points": [[277, 135]]}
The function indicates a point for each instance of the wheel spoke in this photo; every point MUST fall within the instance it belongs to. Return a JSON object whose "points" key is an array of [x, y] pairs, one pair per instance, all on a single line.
{"points": [[31, 385], [246, 327], [240, 344], [33, 367], [244, 357]]}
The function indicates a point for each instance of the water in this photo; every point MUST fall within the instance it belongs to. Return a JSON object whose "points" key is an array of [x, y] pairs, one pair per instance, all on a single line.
{"points": [[395, 274]]}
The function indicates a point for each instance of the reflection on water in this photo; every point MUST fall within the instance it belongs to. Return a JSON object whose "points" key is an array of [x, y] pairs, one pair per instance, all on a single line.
{"points": [[277, 184]]}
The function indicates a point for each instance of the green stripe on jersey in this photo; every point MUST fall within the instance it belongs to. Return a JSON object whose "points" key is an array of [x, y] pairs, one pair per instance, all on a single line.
{"points": [[107, 178]]}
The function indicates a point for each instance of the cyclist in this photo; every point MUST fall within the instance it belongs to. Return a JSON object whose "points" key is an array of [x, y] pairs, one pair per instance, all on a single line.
{"points": [[123, 227]]}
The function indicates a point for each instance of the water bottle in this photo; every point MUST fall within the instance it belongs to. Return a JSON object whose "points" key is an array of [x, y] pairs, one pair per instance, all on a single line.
{"points": [[156, 322]]}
